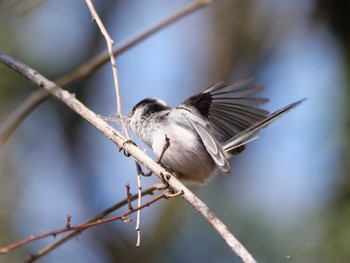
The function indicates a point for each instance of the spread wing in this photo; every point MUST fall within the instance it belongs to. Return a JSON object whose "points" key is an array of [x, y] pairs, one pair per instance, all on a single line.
{"points": [[230, 109]]}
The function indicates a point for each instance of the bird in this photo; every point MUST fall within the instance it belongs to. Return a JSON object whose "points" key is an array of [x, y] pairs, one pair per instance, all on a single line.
{"points": [[205, 130]]}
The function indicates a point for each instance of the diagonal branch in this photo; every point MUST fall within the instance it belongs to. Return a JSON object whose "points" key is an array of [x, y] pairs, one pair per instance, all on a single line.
{"points": [[87, 68], [70, 100]]}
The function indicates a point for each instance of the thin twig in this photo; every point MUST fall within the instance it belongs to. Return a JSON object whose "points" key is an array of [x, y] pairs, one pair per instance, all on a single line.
{"points": [[139, 192], [87, 68], [102, 214], [138, 214], [128, 195], [69, 219], [97, 217], [95, 223], [165, 147], [138, 154], [110, 44]]}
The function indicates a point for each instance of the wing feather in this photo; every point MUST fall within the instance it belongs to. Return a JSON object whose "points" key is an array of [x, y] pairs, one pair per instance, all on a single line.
{"points": [[230, 109], [212, 146], [247, 134]]}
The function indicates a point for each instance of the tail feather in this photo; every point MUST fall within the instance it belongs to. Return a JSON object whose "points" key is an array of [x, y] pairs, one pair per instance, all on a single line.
{"points": [[244, 136]]}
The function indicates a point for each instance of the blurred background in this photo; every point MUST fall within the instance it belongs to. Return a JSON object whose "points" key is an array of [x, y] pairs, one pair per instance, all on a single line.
{"points": [[288, 197]]}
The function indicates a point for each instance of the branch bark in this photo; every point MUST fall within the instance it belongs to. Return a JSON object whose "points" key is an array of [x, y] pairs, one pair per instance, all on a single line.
{"points": [[70, 100]]}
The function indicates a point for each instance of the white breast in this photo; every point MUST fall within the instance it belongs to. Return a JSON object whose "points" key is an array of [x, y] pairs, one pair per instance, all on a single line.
{"points": [[180, 138], [186, 154]]}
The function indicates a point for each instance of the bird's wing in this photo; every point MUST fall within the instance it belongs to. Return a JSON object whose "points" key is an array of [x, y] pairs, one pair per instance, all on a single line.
{"points": [[230, 109], [212, 146]]}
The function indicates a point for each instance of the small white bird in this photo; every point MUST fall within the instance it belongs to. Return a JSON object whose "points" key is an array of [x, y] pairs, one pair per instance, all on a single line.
{"points": [[205, 130]]}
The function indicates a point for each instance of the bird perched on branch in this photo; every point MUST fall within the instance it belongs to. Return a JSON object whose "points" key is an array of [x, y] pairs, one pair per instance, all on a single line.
{"points": [[205, 130]]}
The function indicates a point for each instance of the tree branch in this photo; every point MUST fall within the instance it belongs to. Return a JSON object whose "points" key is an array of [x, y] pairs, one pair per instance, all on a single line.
{"points": [[70, 100]]}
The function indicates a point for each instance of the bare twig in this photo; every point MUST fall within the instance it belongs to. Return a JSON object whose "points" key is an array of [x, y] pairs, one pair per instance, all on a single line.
{"points": [[138, 214], [137, 153], [165, 147], [102, 214], [88, 225], [128, 195], [78, 231], [69, 219], [110, 44], [87, 68]]}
